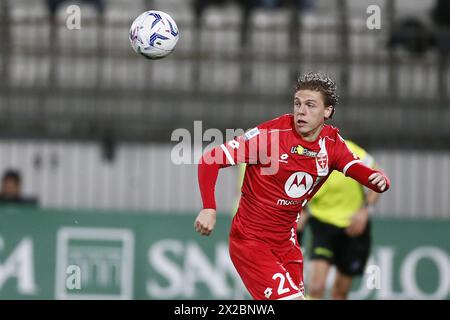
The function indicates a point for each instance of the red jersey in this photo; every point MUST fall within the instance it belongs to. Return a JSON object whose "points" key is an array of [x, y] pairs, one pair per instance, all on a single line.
{"points": [[283, 172]]}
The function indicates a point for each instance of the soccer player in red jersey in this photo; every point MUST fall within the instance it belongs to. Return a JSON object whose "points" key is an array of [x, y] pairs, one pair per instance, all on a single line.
{"points": [[288, 159]]}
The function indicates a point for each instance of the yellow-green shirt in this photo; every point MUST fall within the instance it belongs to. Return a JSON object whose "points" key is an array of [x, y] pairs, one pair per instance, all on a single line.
{"points": [[240, 179], [340, 196]]}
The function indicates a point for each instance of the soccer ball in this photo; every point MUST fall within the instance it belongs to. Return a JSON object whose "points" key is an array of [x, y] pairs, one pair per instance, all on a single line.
{"points": [[154, 34]]}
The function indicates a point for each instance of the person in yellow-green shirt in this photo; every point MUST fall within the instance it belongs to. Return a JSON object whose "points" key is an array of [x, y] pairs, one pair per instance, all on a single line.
{"points": [[338, 216], [240, 179]]}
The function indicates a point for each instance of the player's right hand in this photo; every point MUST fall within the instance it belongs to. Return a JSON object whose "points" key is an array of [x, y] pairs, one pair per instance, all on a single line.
{"points": [[205, 222], [380, 180]]}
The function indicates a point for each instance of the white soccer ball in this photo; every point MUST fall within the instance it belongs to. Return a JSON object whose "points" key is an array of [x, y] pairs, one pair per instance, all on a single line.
{"points": [[154, 34]]}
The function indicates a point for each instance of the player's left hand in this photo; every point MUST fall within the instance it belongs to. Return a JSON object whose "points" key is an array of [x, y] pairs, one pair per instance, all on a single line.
{"points": [[379, 180], [359, 223]]}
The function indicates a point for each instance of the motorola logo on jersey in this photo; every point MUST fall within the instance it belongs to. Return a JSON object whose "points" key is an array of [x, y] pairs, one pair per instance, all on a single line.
{"points": [[285, 202], [298, 184]]}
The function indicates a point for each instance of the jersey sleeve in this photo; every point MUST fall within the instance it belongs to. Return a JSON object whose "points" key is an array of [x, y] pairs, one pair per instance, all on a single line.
{"points": [[344, 158], [357, 168], [252, 147]]}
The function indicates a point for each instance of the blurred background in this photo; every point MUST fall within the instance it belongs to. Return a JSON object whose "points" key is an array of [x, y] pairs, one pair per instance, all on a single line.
{"points": [[86, 124]]}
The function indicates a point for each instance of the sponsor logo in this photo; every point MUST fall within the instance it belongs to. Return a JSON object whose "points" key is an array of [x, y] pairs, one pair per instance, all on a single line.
{"points": [[285, 202], [303, 151], [298, 184], [283, 158]]}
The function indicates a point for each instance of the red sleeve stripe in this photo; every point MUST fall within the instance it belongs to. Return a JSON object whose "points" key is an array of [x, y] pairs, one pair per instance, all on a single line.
{"points": [[348, 165], [227, 153]]}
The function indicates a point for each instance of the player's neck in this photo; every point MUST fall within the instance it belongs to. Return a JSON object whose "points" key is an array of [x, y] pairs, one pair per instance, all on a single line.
{"points": [[311, 135]]}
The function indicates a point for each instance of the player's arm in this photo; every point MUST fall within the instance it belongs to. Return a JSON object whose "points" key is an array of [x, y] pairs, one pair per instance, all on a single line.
{"points": [[207, 178], [350, 165], [375, 180], [239, 150]]}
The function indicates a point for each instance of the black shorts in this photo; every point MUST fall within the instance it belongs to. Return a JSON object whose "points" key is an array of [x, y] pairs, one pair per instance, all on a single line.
{"points": [[331, 243]]}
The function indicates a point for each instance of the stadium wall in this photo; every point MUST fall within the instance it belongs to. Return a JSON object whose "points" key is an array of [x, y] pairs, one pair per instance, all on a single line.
{"points": [[143, 177]]}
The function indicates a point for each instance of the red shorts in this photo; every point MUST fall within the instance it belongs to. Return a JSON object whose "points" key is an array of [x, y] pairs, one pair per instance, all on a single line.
{"points": [[267, 274]]}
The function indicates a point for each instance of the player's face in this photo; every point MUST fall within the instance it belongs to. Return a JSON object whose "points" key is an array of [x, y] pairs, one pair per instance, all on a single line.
{"points": [[310, 113]]}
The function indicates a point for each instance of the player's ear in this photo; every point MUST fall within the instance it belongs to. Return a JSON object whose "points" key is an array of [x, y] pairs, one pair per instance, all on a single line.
{"points": [[329, 112]]}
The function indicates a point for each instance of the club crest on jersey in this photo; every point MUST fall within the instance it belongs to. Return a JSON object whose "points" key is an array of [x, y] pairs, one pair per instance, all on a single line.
{"points": [[322, 159], [303, 151]]}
